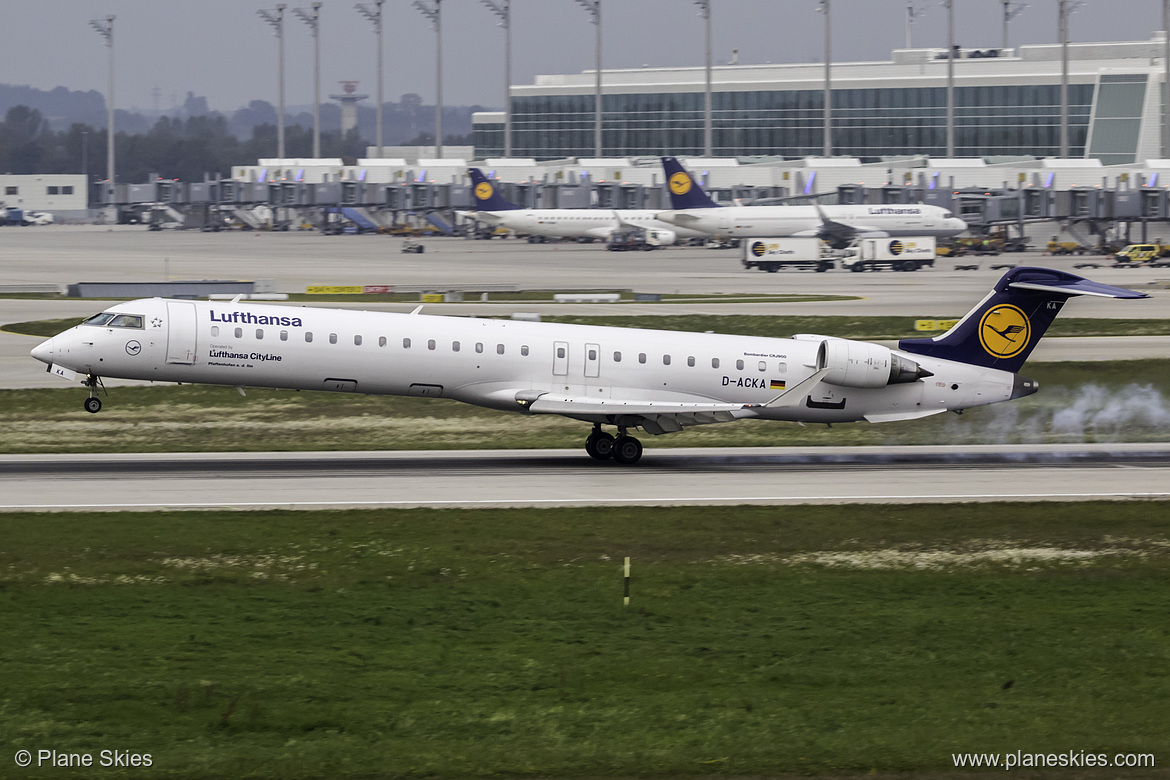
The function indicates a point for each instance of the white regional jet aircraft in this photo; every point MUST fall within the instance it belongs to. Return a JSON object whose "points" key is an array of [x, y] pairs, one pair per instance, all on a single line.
{"points": [[495, 210], [837, 225], [659, 381]]}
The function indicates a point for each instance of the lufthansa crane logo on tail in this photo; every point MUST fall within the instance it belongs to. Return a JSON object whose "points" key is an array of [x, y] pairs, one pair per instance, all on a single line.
{"points": [[1004, 331], [483, 190], [896, 248], [680, 183], [759, 248]]}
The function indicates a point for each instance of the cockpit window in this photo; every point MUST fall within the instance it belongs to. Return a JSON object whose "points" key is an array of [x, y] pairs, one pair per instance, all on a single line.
{"points": [[125, 321], [99, 319], [111, 319], [948, 215]]}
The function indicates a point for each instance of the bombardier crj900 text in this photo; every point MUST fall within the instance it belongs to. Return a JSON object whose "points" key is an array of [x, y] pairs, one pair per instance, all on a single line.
{"points": [[659, 381], [493, 209], [837, 225]]}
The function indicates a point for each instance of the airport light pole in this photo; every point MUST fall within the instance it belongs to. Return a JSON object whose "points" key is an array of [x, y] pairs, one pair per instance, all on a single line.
{"points": [[823, 7], [950, 4], [912, 14], [105, 28], [1064, 9], [375, 16], [594, 9], [312, 17], [430, 9], [705, 12], [1010, 11], [1166, 81], [503, 9], [276, 19]]}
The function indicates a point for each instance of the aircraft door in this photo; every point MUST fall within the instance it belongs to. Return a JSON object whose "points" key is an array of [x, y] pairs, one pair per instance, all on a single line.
{"points": [[560, 358], [182, 328], [592, 360]]}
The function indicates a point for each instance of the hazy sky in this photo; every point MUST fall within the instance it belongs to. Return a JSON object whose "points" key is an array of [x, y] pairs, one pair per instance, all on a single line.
{"points": [[223, 50]]}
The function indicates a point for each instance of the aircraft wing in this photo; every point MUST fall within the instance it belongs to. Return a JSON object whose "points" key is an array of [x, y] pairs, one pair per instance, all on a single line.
{"points": [[839, 235], [658, 417]]}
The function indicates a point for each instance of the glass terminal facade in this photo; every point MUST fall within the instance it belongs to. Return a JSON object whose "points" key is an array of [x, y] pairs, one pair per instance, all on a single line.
{"points": [[867, 123]]}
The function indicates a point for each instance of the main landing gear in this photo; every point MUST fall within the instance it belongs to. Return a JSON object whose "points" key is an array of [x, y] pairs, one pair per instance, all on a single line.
{"points": [[93, 404], [624, 449]]}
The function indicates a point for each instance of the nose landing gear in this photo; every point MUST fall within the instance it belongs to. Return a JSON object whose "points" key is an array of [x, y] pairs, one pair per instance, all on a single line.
{"points": [[93, 404], [624, 449]]}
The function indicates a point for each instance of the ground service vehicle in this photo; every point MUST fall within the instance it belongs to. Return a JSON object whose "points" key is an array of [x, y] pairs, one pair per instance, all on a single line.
{"points": [[774, 254], [1141, 255], [900, 254]]}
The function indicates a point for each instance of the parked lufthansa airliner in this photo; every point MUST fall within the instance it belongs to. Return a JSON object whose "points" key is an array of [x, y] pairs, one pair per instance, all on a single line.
{"points": [[495, 210], [839, 226], [658, 381]]}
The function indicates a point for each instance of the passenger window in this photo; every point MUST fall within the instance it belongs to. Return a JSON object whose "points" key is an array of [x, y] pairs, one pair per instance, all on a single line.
{"points": [[691, 361], [714, 362], [357, 341], [284, 335], [239, 333], [406, 343], [381, 341], [666, 360], [259, 333], [617, 357], [560, 352], [308, 336], [641, 357], [739, 365], [479, 347], [454, 346], [524, 350], [214, 329], [593, 354], [499, 349], [332, 338], [783, 368], [763, 366], [430, 343]]}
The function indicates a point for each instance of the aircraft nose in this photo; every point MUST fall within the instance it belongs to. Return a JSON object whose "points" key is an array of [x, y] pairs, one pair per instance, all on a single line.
{"points": [[44, 351]]}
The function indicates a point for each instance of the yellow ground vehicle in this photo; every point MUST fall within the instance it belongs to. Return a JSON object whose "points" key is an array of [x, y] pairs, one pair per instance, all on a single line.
{"points": [[1149, 255]]}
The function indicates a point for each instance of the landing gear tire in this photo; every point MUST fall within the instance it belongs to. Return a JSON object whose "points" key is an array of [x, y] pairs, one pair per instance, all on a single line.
{"points": [[627, 450], [599, 446], [93, 405]]}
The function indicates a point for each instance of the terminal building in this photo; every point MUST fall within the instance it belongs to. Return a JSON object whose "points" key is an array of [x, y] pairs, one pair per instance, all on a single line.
{"points": [[1007, 103]]}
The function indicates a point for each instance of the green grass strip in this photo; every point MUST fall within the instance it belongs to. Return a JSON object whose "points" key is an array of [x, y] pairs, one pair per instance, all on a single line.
{"points": [[760, 641]]}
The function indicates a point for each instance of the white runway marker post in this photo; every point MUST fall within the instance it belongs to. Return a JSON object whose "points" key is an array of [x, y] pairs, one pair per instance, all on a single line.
{"points": [[626, 589]]}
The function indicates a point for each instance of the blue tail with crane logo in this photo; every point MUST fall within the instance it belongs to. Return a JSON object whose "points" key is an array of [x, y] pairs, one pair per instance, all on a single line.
{"points": [[487, 197], [1003, 329], [685, 192]]}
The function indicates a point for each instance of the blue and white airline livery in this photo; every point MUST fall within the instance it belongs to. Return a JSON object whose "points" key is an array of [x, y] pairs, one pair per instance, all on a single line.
{"points": [[839, 226], [658, 381], [493, 209]]}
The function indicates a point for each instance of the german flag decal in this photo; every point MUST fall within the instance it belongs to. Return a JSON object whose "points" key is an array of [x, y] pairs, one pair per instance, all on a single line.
{"points": [[776, 384]]}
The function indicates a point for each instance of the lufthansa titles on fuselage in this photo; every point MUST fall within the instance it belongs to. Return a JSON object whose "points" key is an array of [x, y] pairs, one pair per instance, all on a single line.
{"points": [[248, 318]]}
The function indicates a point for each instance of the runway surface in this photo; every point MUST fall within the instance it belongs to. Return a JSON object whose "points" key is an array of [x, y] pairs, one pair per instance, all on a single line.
{"points": [[550, 478]]}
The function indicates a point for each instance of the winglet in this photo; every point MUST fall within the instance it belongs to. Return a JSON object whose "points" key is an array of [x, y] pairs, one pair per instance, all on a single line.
{"points": [[418, 308]]}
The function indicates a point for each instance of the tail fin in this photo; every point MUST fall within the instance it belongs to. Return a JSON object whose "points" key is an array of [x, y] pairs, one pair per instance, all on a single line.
{"points": [[1003, 329], [487, 198], [685, 192]]}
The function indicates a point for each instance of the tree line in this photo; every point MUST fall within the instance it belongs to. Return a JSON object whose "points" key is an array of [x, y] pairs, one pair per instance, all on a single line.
{"points": [[184, 148]]}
